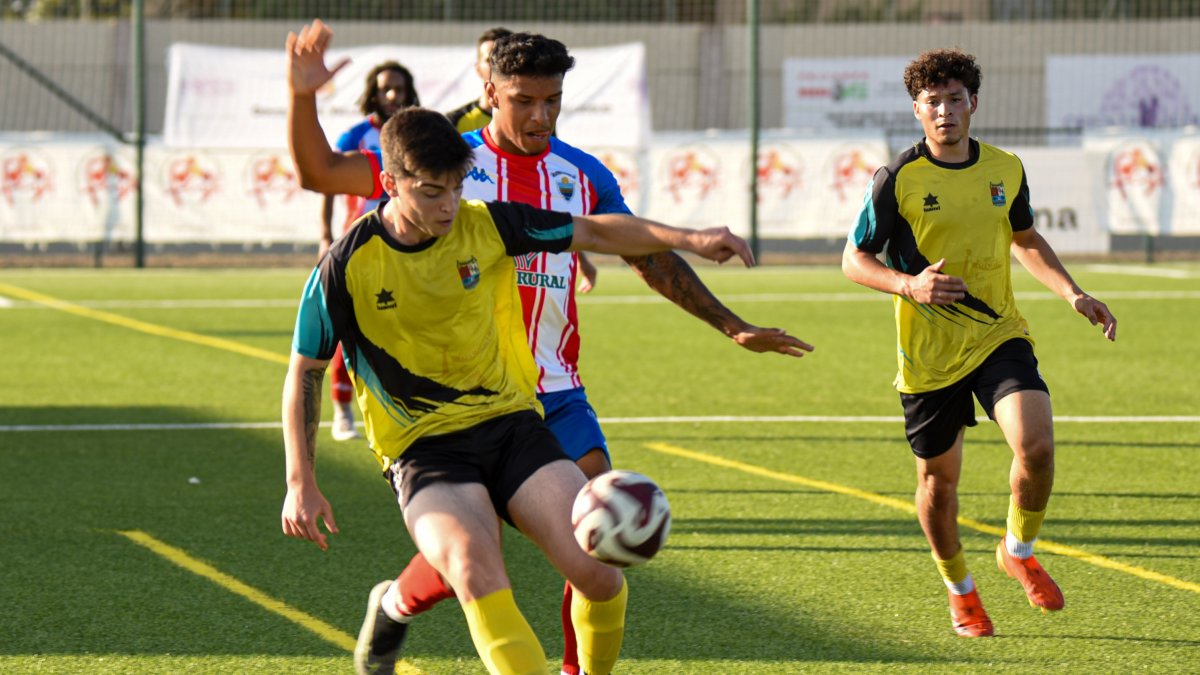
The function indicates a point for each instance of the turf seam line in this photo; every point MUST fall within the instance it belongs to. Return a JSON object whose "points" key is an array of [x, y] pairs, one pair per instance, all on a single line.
{"points": [[907, 507], [178, 556]]}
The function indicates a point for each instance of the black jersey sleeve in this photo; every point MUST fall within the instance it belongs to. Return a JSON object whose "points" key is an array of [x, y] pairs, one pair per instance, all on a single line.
{"points": [[525, 229], [1020, 215], [880, 211]]}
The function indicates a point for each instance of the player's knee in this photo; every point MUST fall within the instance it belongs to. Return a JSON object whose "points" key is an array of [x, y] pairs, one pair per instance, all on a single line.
{"points": [[597, 581], [936, 488], [1037, 454], [471, 568]]}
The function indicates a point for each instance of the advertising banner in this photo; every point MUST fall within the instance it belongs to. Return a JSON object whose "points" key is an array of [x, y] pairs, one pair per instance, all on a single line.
{"points": [[1062, 195], [808, 186], [222, 97], [1149, 181], [1148, 91], [849, 93]]}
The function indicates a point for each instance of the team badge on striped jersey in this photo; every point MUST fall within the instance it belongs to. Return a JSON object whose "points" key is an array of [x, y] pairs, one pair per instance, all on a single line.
{"points": [[565, 184], [468, 272], [997, 193]]}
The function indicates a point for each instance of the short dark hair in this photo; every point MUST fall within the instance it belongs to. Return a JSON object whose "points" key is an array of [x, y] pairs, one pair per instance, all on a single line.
{"points": [[939, 66], [492, 34], [530, 54], [422, 141], [367, 103]]}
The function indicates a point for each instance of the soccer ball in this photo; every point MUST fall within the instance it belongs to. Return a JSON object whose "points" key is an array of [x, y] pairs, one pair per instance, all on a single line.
{"points": [[621, 518]]}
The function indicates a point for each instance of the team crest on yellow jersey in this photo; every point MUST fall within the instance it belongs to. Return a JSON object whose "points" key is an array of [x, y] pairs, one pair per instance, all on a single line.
{"points": [[997, 193], [468, 272]]}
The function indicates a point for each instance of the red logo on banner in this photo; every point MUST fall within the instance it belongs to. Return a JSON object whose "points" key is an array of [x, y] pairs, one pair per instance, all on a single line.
{"points": [[779, 172], [1135, 170], [191, 179], [270, 179], [691, 174], [851, 170], [102, 177], [24, 176]]}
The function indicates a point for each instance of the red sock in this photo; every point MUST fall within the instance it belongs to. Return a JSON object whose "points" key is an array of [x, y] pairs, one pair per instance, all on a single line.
{"points": [[421, 587], [570, 648], [339, 378]]}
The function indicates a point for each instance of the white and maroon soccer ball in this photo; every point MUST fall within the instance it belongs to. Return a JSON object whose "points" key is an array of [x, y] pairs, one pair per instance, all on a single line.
{"points": [[621, 518]]}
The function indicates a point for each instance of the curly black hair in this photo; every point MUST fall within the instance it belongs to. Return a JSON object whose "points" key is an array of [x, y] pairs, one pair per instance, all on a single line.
{"points": [[368, 104], [939, 66], [530, 54]]}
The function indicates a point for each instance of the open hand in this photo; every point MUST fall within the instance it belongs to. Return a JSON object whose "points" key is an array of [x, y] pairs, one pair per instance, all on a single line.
{"points": [[306, 59], [771, 340], [719, 244], [1096, 312], [303, 510]]}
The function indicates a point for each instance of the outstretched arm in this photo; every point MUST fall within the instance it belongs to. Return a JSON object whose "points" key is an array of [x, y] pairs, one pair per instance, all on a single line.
{"points": [[670, 275], [304, 507], [625, 234], [318, 167], [1034, 253]]}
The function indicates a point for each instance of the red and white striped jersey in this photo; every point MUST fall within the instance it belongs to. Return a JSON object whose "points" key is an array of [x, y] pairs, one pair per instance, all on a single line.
{"points": [[563, 178]]}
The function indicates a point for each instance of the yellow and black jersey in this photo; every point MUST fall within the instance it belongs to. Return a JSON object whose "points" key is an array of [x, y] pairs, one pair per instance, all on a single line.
{"points": [[917, 211], [432, 334], [469, 117]]}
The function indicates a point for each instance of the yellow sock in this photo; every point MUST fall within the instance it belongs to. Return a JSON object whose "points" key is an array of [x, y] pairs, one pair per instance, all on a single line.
{"points": [[503, 637], [954, 570], [599, 630], [1022, 524]]}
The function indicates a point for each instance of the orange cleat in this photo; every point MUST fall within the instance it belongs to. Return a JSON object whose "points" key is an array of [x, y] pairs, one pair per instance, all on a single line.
{"points": [[1039, 587], [968, 616]]}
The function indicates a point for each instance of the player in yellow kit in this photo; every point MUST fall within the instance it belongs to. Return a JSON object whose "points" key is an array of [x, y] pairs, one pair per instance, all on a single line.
{"points": [[949, 212]]}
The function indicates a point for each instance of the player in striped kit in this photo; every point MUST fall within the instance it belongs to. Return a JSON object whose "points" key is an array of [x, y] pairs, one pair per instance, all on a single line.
{"points": [[517, 158]]}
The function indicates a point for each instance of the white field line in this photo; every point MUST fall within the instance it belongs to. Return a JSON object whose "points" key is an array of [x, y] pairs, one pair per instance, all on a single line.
{"points": [[7, 303], [1129, 270], [715, 419]]}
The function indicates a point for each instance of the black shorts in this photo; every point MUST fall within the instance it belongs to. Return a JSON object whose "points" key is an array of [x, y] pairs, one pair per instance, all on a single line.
{"points": [[932, 419], [500, 454]]}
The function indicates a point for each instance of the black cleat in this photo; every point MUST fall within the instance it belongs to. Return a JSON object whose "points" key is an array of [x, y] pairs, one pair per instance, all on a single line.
{"points": [[380, 638]]}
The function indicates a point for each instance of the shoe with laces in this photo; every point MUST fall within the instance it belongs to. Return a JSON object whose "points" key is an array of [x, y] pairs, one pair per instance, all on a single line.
{"points": [[968, 616], [1039, 587], [380, 638], [343, 423]]}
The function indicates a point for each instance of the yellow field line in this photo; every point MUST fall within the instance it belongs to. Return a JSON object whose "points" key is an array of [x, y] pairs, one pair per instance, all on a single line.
{"points": [[907, 507], [141, 326], [180, 557]]}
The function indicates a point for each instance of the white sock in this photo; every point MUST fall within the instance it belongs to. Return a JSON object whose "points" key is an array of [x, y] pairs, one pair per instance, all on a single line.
{"points": [[961, 588], [1017, 548], [391, 604]]}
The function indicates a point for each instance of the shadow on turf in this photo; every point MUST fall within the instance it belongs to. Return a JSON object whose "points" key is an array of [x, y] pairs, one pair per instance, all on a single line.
{"points": [[798, 526], [1108, 638]]}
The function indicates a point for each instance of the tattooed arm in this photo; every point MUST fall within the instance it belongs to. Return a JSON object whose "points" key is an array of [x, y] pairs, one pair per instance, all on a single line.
{"points": [[669, 275], [304, 507]]}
